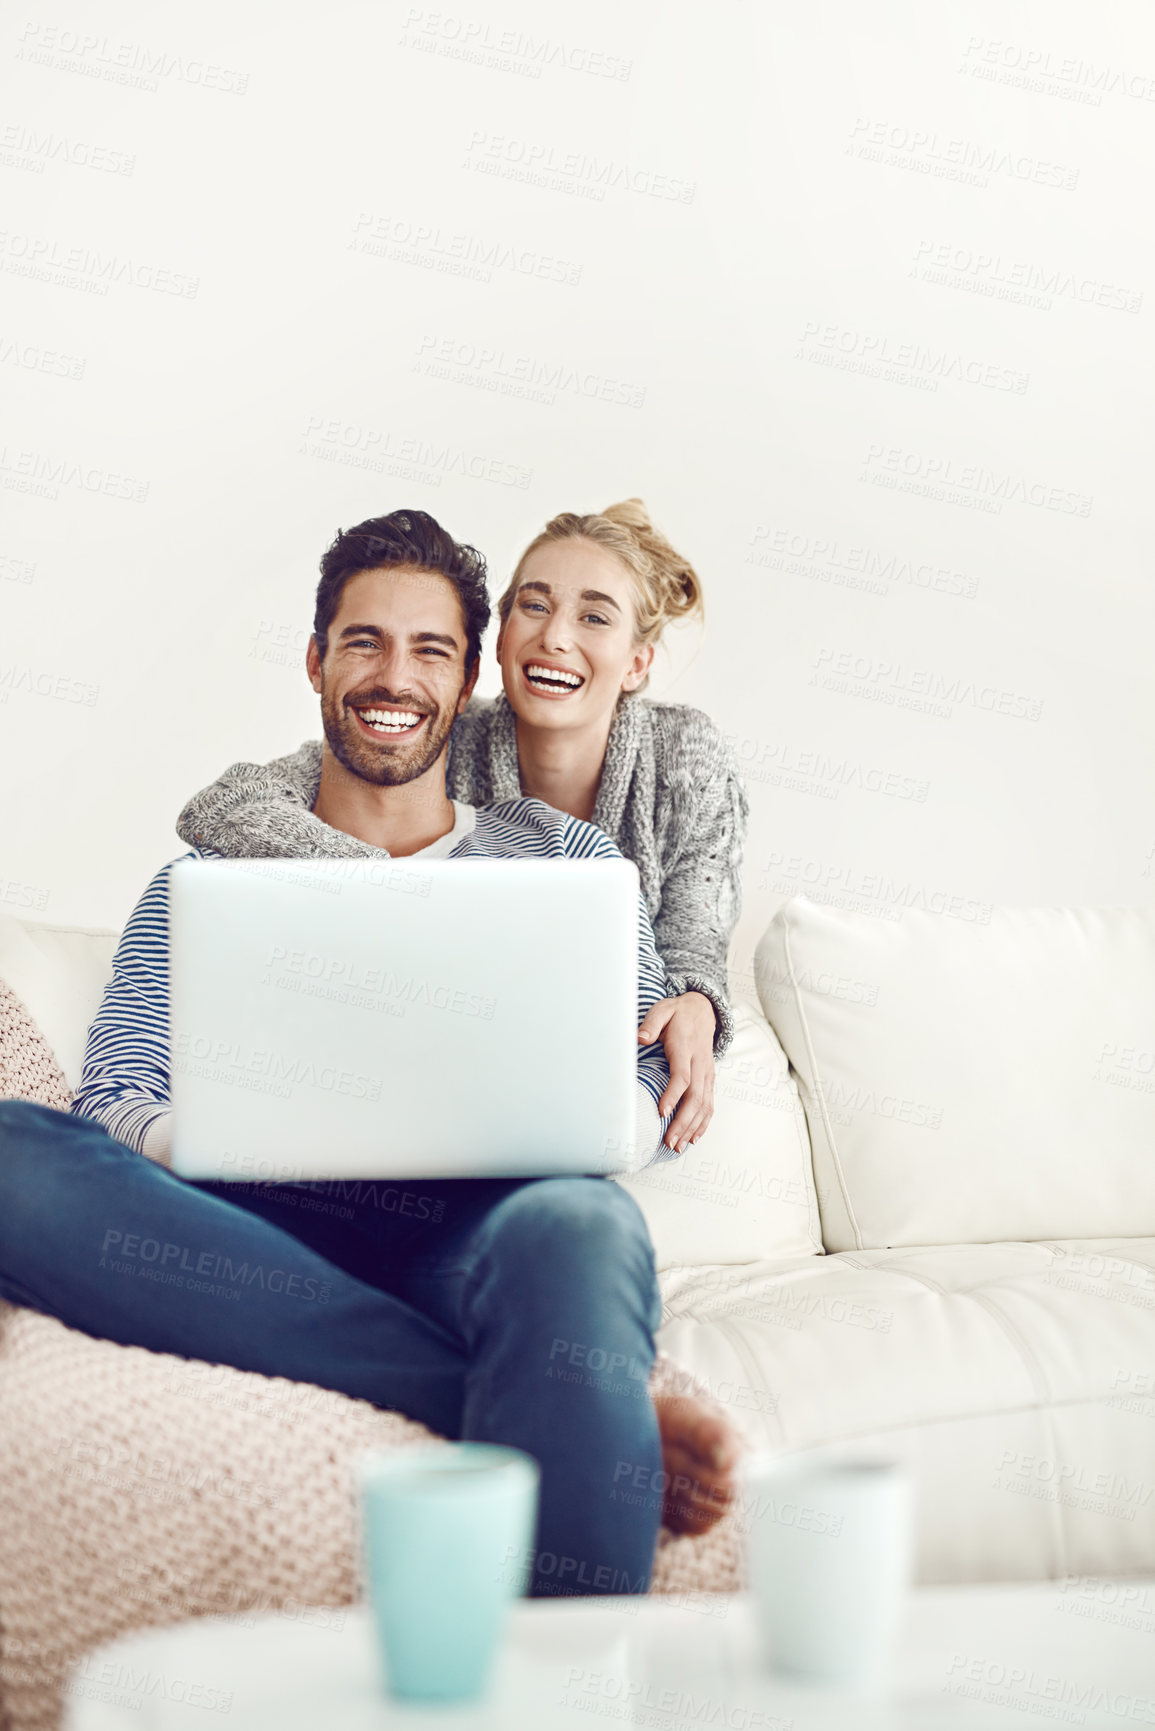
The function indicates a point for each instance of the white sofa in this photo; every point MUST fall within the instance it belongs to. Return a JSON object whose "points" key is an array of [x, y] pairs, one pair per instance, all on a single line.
{"points": [[980, 1101], [924, 1216]]}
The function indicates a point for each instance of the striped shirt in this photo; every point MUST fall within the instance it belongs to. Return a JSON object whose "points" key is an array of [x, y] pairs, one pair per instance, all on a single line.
{"points": [[124, 1084]]}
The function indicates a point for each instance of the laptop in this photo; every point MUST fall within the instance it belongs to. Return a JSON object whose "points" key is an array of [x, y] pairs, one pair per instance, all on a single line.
{"points": [[402, 1019]]}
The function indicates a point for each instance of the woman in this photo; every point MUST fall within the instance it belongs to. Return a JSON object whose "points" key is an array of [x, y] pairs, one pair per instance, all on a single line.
{"points": [[580, 622]]}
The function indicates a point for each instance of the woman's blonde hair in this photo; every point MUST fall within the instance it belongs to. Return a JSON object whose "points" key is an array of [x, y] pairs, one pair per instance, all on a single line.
{"points": [[666, 587]]}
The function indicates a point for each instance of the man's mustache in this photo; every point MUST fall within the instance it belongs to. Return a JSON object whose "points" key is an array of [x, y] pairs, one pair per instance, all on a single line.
{"points": [[371, 699]]}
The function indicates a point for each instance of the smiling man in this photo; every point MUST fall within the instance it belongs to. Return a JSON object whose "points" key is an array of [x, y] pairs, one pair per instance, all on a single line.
{"points": [[454, 1315], [391, 690]]}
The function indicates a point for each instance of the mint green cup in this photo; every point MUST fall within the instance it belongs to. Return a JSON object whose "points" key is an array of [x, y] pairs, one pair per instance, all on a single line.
{"points": [[447, 1538]]}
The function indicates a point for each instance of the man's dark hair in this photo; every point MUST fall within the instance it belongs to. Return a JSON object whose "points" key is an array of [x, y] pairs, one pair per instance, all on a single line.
{"points": [[413, 539]]}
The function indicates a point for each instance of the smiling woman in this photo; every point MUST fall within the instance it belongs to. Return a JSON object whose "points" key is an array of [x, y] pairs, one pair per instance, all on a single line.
{"points": [[581, 617]]}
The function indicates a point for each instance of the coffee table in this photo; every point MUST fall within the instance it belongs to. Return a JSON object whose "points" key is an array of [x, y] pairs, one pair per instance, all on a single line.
{"points": [[1076, 1653]]}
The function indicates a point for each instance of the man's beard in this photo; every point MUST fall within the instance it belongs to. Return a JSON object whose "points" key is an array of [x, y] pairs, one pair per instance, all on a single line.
{"points": [[393, 762]]}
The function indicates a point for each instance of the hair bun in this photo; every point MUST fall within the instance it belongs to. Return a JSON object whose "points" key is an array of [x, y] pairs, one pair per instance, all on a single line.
{"points": [[682, 591], [631, 514]]}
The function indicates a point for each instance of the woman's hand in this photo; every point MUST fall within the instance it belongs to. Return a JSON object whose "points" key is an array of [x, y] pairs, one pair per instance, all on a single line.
{"points": [[686, 1026]]}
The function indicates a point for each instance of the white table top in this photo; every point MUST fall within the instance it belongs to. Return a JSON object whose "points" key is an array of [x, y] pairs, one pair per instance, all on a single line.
{"points": [[1079, 1653]]}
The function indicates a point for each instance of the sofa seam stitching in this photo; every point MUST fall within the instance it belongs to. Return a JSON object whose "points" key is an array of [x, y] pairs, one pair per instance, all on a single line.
{"points": [[1034, 1367], [1054, 1403], [806, 1153], [818, 1089]]}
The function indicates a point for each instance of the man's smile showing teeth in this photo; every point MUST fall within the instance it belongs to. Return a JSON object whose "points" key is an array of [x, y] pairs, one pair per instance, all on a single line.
{"points": [[389, 721], [558, 681]]}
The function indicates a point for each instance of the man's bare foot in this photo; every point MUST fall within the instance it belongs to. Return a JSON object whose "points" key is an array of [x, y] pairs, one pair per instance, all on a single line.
{"points": [[699, 1453]]}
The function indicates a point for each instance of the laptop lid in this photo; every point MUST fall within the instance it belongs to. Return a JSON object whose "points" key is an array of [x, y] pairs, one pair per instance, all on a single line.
{"points": [[379, 1018]]}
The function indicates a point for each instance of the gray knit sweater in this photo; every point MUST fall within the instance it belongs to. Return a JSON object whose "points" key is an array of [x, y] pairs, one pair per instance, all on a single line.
{"points": [[670, 797]]}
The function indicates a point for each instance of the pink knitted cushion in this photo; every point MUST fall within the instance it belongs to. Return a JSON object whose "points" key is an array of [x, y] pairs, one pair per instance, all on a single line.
{"points": [[28, 1068], [142, 1488]]}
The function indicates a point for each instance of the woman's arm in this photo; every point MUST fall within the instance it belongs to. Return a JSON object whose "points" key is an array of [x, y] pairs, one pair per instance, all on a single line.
{"points": [[704, 827]]}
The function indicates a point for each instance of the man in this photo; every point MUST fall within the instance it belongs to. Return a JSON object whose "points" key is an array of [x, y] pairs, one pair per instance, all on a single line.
{"points": [[451, 1313]]}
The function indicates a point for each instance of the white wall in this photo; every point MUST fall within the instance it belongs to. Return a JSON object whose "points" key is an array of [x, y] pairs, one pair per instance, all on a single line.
{"points": [[873, 305]]}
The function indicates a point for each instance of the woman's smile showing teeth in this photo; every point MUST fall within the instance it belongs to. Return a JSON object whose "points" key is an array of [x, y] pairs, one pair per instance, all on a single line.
{"points": [[389, 722], [551, 681]]}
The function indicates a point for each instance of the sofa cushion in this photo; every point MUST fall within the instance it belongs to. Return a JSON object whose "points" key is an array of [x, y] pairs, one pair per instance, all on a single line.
{"points": [[60, 973], [28, 1070], [745, 1191], [967, 1082], [1017, 1380]]}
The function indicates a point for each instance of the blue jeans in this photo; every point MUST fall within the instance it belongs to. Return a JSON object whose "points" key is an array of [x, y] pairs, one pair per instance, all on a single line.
{"points": [[503, 1310]]}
